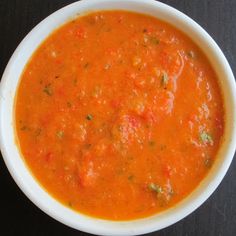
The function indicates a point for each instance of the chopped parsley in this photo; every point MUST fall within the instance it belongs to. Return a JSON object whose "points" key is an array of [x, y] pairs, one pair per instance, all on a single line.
{"points": [[206, 137], [152, 143], [75, 81], [38, 132], [130, 177], [154, 40], [48, 90], [107, 66], [24, 127], [155, 188], [68, 104], [89, 117], [97, 91], [86, 65], [208, 162], [162, 147], [88, 145], [164, 79], [70, 204], [60, 134], [191, 54]]}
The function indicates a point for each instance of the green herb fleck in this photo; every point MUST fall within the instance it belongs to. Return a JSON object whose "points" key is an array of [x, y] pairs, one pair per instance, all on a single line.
{"points": [[70, 204], [89, 117], [208, 162], [130, 158], [191, 54], [86, 65], [206, 137], [154, 40], [152, 143], [163, 147], [120, 128], [88, 145], [48, 90], [171, 192], [24, 128], [144, 30], [164, 79], [75, 81], [60, 134], [155, 188], [107, 66], [68, 104], [130, 177], [38, 132], [97, 91]]}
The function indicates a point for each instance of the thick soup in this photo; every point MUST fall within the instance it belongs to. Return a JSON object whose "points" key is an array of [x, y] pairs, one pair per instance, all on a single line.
{"points": [[119, 115]]}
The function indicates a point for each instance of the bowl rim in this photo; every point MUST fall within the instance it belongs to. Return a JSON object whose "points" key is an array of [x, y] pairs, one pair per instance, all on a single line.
{"points": [[90, 224]]}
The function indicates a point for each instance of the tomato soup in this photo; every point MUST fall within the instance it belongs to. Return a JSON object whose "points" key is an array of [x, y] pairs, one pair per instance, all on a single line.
{"points": [[119, 115]]}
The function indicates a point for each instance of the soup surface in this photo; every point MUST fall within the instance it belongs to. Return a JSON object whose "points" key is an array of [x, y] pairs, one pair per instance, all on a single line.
{"points": [[119, 115]]}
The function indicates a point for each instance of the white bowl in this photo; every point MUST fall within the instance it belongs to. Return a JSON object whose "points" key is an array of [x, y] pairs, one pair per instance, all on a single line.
{"points": [[32, 188]]}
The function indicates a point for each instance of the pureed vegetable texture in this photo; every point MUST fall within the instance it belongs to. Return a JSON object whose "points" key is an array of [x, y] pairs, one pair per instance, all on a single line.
{"points": [[119, 115]]}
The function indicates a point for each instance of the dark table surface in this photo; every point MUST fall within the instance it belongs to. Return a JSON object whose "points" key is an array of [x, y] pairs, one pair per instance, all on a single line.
{"points": [[18, 216]]}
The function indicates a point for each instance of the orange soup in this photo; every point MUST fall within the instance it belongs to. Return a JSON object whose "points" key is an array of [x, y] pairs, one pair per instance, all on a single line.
{"points": [[119, 115]]}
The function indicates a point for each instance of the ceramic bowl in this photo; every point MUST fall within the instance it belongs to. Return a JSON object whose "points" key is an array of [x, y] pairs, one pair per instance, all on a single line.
{"points": [[32, 188]]}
